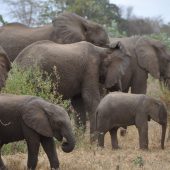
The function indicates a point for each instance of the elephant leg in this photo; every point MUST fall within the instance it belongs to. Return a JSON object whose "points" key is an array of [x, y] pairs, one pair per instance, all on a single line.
{"points": [[139, 83], [143, 136], [33, 144], [80, 117], [101, 139], [2, 166], [91, 98], [114, 140], [50, 149], [33, 149]]}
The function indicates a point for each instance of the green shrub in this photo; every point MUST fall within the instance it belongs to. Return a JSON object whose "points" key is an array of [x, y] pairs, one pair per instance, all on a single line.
{"points": [[163, 37], [138, 161], [34, 82], [13, 148]]}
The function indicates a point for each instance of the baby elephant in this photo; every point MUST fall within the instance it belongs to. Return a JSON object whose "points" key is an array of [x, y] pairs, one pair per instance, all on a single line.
{"points": [[37, 121], [122, 109]]}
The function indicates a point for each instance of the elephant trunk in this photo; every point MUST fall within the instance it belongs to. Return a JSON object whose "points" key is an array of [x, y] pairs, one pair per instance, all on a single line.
{"points": [[69, 144], [164, 126]]}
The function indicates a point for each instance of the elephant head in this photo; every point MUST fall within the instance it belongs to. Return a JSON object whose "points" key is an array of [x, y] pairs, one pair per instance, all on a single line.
{"points": [[154, 57], [70, 28], [5, 66], [114, 66], [50, 120], [158, 112]]}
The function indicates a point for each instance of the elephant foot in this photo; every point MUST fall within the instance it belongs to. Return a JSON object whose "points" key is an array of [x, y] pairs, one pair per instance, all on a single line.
{"points": [[55, 168]]}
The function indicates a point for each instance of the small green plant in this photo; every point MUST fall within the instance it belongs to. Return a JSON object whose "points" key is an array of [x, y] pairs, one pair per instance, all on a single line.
{"points": [[139, 161], [13, 148]]}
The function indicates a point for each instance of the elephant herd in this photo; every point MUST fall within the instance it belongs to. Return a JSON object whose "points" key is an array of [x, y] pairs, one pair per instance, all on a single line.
{"points": [[86, 62]]}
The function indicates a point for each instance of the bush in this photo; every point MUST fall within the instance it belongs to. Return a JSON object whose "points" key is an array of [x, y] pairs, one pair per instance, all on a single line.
{"points": [[34, 82], [163, 37]]}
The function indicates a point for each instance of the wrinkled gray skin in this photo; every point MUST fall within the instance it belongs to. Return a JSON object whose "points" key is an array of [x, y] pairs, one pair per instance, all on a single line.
{"points": [[37, 121], [79, 66], [146, 56], [65, 28], [123, 109], [5, 66]]}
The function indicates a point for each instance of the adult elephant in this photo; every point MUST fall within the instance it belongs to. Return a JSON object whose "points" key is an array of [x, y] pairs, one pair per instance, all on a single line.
{"points": [[66, 28], [5, 66], [37, 121], [79, 66], [146, 56]]}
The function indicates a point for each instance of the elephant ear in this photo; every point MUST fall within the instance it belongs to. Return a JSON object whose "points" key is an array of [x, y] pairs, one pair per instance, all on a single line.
{"points": [[117, 44], [117, 62], [68, 28], [37, 120], [156, 110], [147, 57]]}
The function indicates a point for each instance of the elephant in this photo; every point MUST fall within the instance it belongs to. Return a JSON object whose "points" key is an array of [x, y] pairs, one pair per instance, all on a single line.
{"points": [[118, 109], [5, 66], [65, 28], [81, 67], [146, 56], [37, 121]]}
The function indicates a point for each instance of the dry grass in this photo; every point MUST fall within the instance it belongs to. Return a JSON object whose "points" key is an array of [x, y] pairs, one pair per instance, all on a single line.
{"points": [[129, 157]]}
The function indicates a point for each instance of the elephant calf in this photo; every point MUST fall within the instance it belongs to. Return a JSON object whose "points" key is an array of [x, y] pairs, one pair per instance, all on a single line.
{"points": [[121, 109], [37, 121]]}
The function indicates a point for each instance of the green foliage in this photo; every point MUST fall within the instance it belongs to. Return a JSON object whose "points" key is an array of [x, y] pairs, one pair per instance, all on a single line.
{"points": [[113, 30], [100, 11], [13, 148], [33, 82], [139, 161], [163, 37]]}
